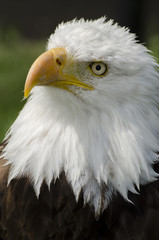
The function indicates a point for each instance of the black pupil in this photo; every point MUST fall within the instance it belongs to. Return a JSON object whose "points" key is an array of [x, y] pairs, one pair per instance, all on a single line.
{"points": [[98, 67]]}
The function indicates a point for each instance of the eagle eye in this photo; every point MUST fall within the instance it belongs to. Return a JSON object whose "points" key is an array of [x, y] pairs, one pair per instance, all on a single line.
{"points": [[98, 68]]}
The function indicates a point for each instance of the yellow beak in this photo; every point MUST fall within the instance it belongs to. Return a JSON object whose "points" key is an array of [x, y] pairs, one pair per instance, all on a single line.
{"points": [[47, 70]]}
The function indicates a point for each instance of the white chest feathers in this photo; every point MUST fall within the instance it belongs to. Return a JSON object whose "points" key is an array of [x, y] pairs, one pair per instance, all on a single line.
{"points": [[100, 150]]}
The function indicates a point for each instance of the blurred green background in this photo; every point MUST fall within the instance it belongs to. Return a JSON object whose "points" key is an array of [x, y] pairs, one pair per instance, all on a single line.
{"points": [[26, 25], [16, 56]]}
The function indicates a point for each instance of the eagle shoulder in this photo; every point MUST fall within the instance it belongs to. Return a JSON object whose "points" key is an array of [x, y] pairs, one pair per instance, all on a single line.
{"points": [[4, 170], [56, 214]]}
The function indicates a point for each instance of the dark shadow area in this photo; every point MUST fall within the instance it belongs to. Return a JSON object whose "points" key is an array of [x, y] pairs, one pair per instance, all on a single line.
{"points": [[35, 19]]}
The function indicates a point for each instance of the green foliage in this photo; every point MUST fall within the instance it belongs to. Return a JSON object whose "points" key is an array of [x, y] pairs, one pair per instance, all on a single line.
{"points": [[153, 45], [16, 57]]}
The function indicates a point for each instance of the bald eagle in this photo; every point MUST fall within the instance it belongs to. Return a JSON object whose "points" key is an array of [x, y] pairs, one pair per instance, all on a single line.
{"points": [[81, 159]]}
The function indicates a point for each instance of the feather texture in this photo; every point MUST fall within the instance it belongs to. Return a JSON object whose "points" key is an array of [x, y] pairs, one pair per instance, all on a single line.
{"points": [[105, 140]]}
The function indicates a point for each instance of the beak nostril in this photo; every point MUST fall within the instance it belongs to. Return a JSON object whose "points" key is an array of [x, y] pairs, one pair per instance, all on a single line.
{"points": [[58, 61]]}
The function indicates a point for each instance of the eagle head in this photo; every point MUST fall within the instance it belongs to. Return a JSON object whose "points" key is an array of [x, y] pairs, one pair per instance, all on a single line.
{"points": [[92, 113]]}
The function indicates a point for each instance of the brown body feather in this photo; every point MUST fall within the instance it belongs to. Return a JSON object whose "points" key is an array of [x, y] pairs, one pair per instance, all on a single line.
{"points": [[57, 216]]}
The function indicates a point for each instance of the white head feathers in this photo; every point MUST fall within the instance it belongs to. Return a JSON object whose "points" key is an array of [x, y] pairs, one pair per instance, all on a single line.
{"points": [[105, 137]]}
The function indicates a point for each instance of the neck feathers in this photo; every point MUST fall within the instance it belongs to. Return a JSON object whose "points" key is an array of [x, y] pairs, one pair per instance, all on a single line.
{"points": [[100, 153]]}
